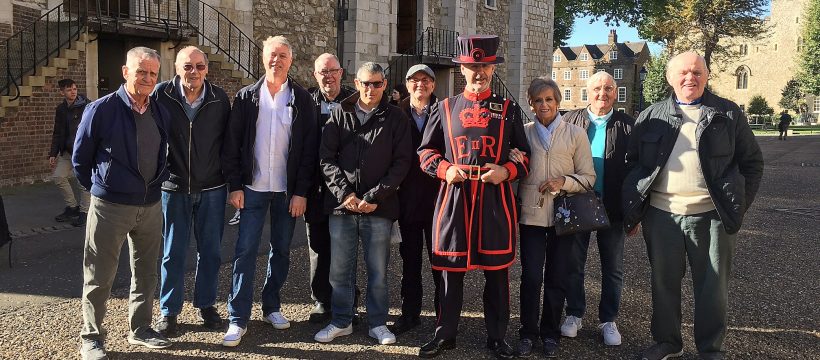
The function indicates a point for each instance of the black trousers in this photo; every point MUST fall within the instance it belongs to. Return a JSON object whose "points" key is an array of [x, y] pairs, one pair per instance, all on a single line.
{"points": [[318, 236], [414, 236], [496, 303], [548, 259]]}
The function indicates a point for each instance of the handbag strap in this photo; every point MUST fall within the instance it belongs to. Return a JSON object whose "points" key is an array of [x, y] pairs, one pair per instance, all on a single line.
{"points": [[587, 188]]}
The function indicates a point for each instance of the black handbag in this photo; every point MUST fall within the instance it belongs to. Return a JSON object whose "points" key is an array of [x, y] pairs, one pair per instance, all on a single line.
{"points": [[578, 212]]}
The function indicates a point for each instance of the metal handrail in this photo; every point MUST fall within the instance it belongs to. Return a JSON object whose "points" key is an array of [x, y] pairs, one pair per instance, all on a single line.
{"points": [[25, 50], [34, 44]]}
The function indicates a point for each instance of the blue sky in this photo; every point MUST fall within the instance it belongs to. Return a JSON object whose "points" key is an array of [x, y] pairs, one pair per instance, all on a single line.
{"points": [[596, 33]]}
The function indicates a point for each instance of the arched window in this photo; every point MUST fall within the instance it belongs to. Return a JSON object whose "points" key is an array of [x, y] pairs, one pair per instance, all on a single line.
{"points": [[742, 73]]}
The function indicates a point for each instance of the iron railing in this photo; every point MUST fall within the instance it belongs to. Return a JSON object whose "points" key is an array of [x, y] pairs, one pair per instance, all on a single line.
{"points": [[34, 45]]}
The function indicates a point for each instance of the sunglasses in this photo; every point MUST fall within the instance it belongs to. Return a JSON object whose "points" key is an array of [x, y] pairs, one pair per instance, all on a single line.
{"points": [[199, 67], [374, 84]]}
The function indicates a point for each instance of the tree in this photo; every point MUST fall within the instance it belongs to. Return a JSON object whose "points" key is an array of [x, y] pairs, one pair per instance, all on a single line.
{"points": [[563, 20], [707, 26], [611, 12], [792, 96], [809, 63], [655, 87], [759, 106]]}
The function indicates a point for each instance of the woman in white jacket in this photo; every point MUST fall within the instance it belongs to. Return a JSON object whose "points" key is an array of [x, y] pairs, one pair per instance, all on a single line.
{"points": [[558, 149]]}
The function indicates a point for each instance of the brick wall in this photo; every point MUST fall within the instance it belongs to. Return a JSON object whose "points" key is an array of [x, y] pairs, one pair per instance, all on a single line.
{"points": [[23, 16], [223, 79], [25, 132]]}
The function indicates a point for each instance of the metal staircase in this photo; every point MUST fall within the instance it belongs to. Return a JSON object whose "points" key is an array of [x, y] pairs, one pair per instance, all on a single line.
{"points": [[437, 46], [31, 49]]}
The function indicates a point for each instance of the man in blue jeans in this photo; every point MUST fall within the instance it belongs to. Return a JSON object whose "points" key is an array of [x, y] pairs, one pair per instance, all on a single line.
{"points": [[608, 131], [194, 196], [365, 154], [268, 160]]}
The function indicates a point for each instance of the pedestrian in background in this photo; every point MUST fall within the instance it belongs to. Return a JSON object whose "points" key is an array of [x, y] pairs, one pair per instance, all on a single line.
{"points": [[66, 120]]}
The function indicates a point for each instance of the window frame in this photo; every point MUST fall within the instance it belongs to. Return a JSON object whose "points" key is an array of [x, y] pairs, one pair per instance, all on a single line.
{"points": [[584, 57], [567, 75], [619, 99], [556, 58], [618, 73], [583, 74], [584, 95], [613, 55], [493, 6], [568, 94]]}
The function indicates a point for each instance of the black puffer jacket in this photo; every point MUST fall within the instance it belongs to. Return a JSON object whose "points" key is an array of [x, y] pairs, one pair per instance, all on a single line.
{"points": [[618, 129], [730, 158], [194, 147], [66, 120], [369, 159]]}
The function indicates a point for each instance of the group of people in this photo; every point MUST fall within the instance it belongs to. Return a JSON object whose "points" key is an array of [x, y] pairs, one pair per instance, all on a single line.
{"points": [[161, 160]]}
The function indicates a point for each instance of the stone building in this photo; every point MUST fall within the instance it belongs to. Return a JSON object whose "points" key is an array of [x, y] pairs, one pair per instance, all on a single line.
{"points": [[573, 65], [88, 44], [764, 67]]}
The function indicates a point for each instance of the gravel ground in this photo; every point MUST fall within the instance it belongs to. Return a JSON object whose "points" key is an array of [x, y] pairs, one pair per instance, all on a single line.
{"points": [[773, 300]]}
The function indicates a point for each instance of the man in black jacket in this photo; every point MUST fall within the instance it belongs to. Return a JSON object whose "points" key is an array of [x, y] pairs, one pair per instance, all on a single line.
{"points": [[194, 196], [417, 197], [326, 96], [66, 120], [694, 168], [268, 160], [365, 155], [608, 132]]}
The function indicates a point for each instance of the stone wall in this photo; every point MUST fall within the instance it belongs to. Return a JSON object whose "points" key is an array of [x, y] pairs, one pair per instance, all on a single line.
{"points": [[495, 22], [25, 132], [369, 33], [308, 24], [771, 60]]}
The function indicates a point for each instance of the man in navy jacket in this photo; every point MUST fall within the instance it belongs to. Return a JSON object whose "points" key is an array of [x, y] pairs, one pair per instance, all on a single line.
{"points": [[119, 154]]}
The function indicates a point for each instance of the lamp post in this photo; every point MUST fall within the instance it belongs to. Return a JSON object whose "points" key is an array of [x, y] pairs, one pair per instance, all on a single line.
{"points": [[642, 77]]}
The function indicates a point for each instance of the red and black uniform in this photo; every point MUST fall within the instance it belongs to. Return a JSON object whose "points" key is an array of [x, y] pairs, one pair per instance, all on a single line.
{"points": [[474, 223]]}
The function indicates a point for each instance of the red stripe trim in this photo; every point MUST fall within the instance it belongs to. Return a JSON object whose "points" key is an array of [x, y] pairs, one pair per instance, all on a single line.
{"points": [[501, 131], [475, 267], [512, 169], [509, 228], [470, 59], [429, 160], [441, 170], [437, 237]]}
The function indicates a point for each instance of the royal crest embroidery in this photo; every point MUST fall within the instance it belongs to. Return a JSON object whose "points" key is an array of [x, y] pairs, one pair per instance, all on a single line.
{"points": [[474, 116]]}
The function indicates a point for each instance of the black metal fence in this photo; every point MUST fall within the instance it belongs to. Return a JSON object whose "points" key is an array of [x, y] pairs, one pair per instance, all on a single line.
{"points": [[34, 45]]}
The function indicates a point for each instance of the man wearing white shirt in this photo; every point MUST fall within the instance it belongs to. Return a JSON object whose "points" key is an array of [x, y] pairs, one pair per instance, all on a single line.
{"points": [[268, 161]]}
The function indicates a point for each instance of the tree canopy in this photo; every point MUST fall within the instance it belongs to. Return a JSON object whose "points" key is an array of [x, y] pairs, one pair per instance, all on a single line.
{"points": [[759, 106], [655, 87], [792, 96], [809, 63]]}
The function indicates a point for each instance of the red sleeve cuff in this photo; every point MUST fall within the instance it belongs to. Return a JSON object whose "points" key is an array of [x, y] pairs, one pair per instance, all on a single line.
{"points": [[441, 171], [512, 169]]}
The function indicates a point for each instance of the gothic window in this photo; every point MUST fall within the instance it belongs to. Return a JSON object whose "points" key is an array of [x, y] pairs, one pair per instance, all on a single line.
{"points": [[742, 74]]}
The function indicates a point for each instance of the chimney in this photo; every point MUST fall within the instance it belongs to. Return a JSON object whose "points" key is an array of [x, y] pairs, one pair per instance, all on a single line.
{"points": [[613, 37]]}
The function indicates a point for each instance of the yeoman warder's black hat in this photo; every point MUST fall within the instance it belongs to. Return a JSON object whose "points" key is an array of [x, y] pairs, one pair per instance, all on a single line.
{"points": [[478, 49]]}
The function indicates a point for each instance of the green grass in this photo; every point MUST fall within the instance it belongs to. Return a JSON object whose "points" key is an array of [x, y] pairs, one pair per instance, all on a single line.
{"points": [[795, 131]]}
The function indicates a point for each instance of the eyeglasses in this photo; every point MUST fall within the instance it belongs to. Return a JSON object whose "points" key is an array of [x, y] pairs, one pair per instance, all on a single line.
{"points": [[328, 72], [199, 67], [415, 81], [374, 84]]}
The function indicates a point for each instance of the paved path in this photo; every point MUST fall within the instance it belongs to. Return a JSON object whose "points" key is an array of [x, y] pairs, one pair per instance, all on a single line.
{"points": [[774, 306]]}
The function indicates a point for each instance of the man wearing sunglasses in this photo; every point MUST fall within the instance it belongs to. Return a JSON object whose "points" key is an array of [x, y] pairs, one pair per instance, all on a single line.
{"points": [[327, 96], [193, 199], [364, 155]]}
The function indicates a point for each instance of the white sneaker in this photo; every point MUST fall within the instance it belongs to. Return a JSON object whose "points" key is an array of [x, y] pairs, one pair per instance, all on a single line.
{"points": [[382, 334], [233, 336], [331, 332], [611, 335], [278, 320], [571, 326]]}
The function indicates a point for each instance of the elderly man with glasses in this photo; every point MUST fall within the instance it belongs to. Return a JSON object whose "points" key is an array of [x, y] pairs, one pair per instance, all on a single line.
{"points": [[327, 96], [365, 155], [193, 199]]}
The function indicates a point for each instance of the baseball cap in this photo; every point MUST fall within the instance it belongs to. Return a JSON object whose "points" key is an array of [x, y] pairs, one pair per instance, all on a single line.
{"points": [[420, 67]]}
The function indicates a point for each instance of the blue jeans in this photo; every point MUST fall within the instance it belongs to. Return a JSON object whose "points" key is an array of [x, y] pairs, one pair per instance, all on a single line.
{"points": [[204, 213], [244, 261], [345, 232], [611, 250]]}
